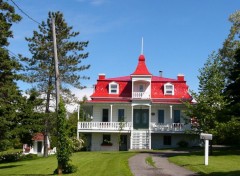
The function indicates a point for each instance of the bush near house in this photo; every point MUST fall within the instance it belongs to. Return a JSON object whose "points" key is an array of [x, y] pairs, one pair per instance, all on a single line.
{"points": [[17, 156]]}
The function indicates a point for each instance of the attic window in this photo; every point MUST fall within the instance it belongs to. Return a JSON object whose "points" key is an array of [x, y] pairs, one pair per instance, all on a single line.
{"points": [[168, 89], [113, 88]]}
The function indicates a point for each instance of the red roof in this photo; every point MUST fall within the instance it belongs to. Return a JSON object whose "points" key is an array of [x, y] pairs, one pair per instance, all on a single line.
{"points": [[101, 93], [38, 137], [154, 78], [141, 67]]}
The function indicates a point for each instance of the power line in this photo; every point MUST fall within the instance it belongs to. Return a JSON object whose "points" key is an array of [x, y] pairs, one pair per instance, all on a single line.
{"points": [[25, 13]]}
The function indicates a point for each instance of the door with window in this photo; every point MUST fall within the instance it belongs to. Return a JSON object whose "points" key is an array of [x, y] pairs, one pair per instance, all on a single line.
{"points": [[140, 118], [105, 115]]}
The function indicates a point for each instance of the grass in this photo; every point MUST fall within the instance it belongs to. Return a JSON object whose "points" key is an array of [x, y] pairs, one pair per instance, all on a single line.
{"points": [[150, 161], [88, 163], [222, 162]]}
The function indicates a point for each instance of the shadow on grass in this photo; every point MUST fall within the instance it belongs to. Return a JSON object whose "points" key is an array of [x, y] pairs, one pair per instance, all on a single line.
{"points": [[231, 173], [7, 167]]}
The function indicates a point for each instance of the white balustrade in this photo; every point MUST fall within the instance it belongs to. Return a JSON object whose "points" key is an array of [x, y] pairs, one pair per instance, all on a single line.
{"points": [[118, 126], [104, 125], [169, 127]]}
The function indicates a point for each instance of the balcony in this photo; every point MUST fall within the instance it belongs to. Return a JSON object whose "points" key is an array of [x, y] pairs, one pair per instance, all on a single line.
{"points": [[104, 126], [126, 127], [141, 95], [174, 127]]}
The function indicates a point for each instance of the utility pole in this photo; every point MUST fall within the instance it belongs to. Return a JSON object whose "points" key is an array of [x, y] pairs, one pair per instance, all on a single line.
{"points": [[57, 81], [57, 78]]}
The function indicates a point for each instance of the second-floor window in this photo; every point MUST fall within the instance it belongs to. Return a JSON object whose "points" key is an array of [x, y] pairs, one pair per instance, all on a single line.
{"points": [[176, 116], [113, 88], [120, 115], [140, 88], [168, 89], [161, 116]]}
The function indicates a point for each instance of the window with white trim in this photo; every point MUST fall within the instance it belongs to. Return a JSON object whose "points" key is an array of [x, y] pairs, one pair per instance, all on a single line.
{"points": [[168, 89], [113, 88]]}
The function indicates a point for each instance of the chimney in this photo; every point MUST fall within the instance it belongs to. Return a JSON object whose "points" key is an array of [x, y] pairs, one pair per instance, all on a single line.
{"points": [[180, 77], [101, 76], [160, 73]]}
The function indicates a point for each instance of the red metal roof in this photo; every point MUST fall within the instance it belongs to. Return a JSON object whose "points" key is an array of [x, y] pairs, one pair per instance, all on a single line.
{"points": [[141, 67], [101, 93], [38, 137]]}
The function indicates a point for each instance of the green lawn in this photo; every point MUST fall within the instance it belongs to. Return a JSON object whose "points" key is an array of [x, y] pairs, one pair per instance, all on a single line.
{"points": [[88, 163], [223, 162]]}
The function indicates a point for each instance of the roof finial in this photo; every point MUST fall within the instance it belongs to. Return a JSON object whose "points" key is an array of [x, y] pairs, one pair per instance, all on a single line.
{"points": [[142, 47]]}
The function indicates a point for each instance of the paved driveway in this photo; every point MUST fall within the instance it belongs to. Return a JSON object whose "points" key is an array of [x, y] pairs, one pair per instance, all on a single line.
{"points": [[163, 168]]}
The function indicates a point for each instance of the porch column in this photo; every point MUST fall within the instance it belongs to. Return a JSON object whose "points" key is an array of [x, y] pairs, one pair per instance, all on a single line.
{"points": [[171, 113], [131, 129], [150, 117], [111, 113], [78, 121]]}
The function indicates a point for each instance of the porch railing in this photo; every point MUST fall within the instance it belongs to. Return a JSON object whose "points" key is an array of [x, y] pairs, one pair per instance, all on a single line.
{"points": [[104, 125]]}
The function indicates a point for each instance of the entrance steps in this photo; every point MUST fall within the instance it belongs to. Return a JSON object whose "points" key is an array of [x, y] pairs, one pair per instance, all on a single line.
{"points": [[140, 139]]}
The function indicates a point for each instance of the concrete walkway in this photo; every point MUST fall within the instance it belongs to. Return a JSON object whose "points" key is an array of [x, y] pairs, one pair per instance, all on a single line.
{"points": [[139, 167]]}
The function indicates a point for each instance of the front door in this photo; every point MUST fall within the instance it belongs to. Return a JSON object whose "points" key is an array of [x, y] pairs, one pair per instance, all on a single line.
{"points": [[140, 118], [123, 143], [39, 146]]}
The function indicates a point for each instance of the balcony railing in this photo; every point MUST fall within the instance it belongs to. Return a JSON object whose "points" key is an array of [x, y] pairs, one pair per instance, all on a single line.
{"points": [[140, 95], [116, 126], [126, 126], [170, 127]]}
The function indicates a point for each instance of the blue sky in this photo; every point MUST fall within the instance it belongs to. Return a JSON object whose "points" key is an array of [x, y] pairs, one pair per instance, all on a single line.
{"points": [[178, 34]]}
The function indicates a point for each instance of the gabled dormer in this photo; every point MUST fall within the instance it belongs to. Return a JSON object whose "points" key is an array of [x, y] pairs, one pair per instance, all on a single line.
{"points": [[141, 80], [113, 88]]}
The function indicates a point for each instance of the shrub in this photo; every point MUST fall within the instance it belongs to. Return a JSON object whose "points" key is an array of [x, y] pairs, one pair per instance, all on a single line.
{"points": [[10, 157], [182, 144], [76, 144]]}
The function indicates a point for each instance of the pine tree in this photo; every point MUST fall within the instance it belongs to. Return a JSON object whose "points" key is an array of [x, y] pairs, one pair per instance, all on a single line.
{"points": [[10, 95], [40, 68]]}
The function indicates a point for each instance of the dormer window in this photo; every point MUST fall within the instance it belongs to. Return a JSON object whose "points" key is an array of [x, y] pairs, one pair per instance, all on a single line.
{"points": [[113, 88], [168, 89]]}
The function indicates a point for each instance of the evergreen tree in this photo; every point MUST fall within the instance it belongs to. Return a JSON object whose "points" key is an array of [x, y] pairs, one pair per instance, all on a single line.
{"points": [[10, 96], [232, 92], [230, 45], [64, 149], [40, 68], [30, 118]]}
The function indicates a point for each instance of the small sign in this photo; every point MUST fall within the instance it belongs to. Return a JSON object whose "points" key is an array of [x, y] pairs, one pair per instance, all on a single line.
{"points": [[206, 136]]}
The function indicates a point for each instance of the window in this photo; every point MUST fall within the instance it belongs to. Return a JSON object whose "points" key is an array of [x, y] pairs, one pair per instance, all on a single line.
{"points": [[105, 115], [113, 88], [168, 89], [176, 116], [106, 139], [160, 116], [140, 88], [167, 140], [120, 115]]}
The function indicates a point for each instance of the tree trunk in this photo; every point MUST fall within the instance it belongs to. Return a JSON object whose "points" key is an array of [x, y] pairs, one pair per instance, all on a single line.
{"points": [[47, 111]]}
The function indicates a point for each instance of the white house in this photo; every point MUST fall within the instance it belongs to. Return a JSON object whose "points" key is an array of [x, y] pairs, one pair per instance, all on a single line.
{"points": [[139, 111], [38, 145]]}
